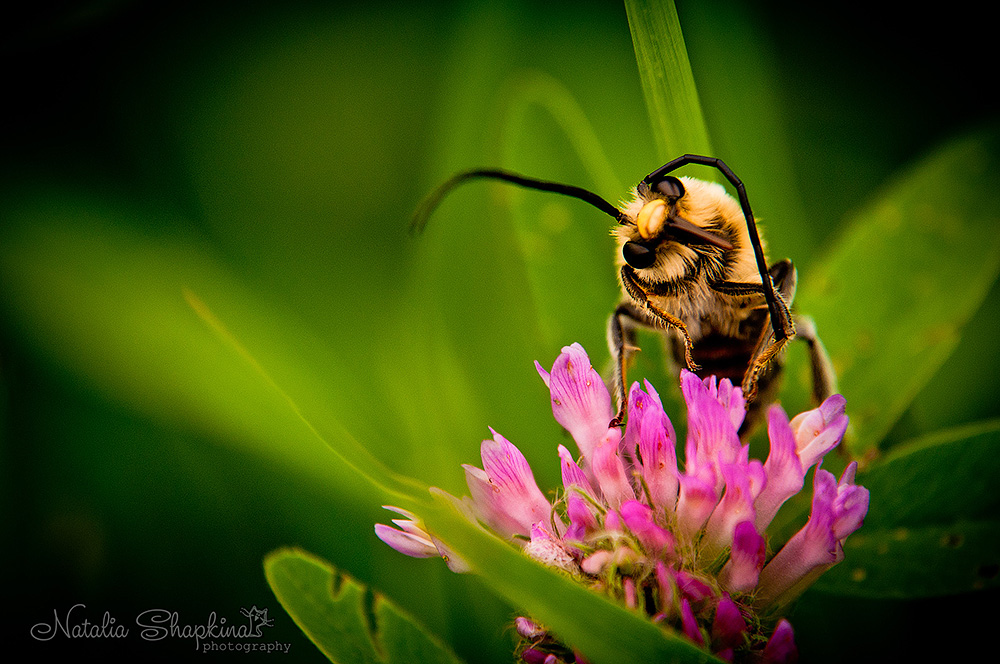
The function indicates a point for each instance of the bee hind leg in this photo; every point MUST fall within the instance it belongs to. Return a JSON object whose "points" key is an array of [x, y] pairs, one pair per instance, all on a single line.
{"points": [[824, 377]]}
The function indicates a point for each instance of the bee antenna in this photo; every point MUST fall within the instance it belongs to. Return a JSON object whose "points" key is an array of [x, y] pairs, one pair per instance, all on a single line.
{"points": [[769, 295], [430, 203]]}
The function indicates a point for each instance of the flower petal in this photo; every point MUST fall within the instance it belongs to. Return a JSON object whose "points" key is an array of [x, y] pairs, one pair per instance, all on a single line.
{"points": [[785, 473], [692, 588], [595, 563], [729, 397], [735, 507], [819, 430], [405, 542], [711, 437], [411, 538], [690, 624], [550, 551], [746, 559], [658, 451], [609, 471], [628, 589], [851, 505], [780, 649], [528, 628], [579, 509], [638, 402], [695, 503], [572, 475], [504, 492], [666, 579], [810, 552], [728, 626], [580, 400], [638, 518]]}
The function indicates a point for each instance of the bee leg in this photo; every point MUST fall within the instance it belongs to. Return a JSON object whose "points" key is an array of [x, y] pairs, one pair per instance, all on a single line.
{"points": [[824, 378], [757, 366], [668, 320], [656, 317], [622, 342], [785, 276], [767, 348]]}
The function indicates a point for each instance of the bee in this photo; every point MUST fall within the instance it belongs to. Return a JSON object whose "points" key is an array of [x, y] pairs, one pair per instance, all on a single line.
{"points": [[691, 264]]}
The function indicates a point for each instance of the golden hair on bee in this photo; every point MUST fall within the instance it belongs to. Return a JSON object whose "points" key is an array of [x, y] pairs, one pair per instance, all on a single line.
{"points": [[691, 264], [707, 206]]}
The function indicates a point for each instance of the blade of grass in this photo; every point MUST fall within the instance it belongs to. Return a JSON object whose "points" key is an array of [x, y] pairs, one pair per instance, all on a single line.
{"points": [[536, 89], [667, 80]]}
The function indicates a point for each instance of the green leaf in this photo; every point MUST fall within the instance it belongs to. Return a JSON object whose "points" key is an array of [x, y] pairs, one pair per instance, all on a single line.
{"points": [[939, 479], [931, 527], [893, 294], [667, 81], [965, 389], [923, 561], [605, 632], [332, 609]]}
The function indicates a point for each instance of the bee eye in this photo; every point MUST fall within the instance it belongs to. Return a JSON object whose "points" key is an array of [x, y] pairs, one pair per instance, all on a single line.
{"points": [[637, 255], [669, 187]]}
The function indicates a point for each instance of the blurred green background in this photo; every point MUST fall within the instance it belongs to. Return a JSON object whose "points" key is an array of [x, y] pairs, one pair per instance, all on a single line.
{"points": [[260, 161]]}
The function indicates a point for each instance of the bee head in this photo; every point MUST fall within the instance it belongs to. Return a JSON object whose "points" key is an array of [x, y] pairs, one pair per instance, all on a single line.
{"points": [[659, 220]]}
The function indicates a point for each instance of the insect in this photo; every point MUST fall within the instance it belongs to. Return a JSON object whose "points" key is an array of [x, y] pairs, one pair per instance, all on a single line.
{"points": [[691, 264]]}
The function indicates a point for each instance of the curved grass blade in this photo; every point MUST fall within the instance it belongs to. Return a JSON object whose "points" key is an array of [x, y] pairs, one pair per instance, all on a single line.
{"points": [[160, 325], [536, 89], [562, 241]]}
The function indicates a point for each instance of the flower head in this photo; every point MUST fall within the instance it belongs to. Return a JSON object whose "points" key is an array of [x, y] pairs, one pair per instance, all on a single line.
{"points": [[689, 547]]}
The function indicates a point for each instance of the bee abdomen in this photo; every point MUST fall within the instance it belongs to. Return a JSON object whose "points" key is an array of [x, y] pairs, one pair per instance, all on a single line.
{"points": [[729, 357], [722, 356]]}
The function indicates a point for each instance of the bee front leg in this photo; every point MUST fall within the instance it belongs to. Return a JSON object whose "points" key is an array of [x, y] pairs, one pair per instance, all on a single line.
{"points": [[622, 342], [767, 348], [656, 317], [668, 321]]}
